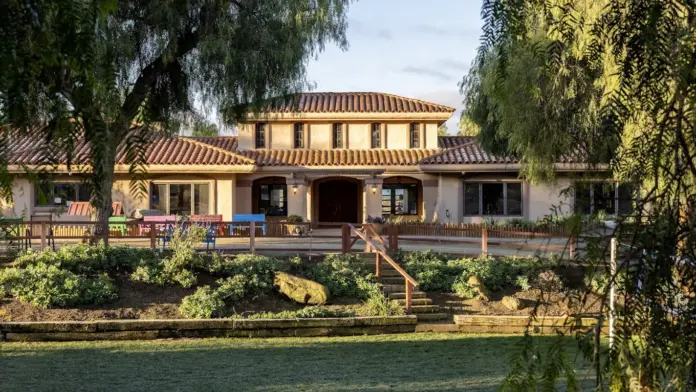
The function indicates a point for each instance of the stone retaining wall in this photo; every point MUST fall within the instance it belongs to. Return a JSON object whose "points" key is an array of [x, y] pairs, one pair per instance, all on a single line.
{"points": [[159, 329], [518, 324]]}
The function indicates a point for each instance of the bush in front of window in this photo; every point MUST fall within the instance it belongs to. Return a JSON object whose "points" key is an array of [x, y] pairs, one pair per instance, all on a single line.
{"points": [[294, 219]]}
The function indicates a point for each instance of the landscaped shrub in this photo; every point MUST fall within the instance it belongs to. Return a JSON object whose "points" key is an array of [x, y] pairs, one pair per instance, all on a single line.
{"points": [[179, 267], [379, 305], [434, 272], [90, 259], [258, 270], [205, 303], [46, 286], [343, 275], [463, 289], [522, 282]]}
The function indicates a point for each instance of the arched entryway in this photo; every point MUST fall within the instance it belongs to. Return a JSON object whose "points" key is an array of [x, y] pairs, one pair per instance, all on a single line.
{"points": [[337, 199]]}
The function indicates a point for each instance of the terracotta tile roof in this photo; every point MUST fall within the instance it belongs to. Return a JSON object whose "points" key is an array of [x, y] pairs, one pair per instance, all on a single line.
{"points": [[338, 157], [364, 102], [223, 150], [465, 150], [30, 149]]}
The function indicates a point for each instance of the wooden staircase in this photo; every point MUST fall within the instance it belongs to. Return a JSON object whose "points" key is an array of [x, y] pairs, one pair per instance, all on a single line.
{"points": [[393, 286]]}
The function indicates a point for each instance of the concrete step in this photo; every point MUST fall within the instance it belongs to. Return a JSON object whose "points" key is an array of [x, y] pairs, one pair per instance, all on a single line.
{"points": [[415, 309], [393, 288], [393, 280], [416, 301], [431, 316], [402, 295], [388, 273]]}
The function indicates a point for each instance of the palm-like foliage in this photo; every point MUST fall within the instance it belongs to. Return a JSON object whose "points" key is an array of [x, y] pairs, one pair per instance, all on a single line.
{"points": [[617, 78]]}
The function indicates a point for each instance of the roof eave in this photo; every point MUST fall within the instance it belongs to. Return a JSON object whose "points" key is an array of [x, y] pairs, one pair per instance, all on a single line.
{"points": [[364, 116]]}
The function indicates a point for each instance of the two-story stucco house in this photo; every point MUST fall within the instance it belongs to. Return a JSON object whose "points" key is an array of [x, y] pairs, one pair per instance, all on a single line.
{"points": [[328, 157]]}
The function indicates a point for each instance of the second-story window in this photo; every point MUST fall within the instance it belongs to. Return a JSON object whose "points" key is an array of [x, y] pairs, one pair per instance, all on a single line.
{"points": [[260, 136], [298, 135], [338, 135], [376, 133], [414, 135]]}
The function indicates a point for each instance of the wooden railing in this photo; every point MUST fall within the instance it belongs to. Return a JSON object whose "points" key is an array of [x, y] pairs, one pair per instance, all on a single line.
{"points": [[428, 229], [367, 234]]}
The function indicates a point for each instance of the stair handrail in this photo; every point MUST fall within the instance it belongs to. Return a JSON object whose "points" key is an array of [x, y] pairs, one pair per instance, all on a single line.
{"points": [[381, 254]]}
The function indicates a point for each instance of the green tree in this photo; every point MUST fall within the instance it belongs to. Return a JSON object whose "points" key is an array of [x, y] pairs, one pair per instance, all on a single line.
{"points": [[467, 127], [204, 128], [115, 71], [613, 83], [442, 130]]}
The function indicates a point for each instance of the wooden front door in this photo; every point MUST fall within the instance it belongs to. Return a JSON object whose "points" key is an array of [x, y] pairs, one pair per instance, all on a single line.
{"points": [[338, 201]]}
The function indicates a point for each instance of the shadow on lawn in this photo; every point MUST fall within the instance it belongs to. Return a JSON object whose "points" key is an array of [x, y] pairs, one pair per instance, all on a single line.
{"points": [[415, 362]]}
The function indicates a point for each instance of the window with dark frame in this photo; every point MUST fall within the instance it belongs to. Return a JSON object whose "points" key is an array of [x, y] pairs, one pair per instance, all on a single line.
{"points": [[376, 133], [180, 199], [338, 135], [414, 135], [260, 135], [602, 196], [60, 193], [493, 198], [273, 199], [299, 135], [399, 199]]}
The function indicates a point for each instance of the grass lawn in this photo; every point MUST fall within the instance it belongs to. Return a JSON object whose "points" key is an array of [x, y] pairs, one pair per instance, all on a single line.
{"points": [[408, 362]]}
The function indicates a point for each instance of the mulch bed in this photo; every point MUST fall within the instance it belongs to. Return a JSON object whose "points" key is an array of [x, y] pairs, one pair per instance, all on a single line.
{"points": [[147, 301]]}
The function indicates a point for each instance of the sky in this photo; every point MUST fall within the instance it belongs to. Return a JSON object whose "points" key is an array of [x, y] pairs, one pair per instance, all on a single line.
{"points": [[415, 48]]}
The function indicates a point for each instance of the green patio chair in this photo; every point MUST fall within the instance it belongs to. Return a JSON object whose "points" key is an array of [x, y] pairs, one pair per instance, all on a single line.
{"points": [[118, 223]]}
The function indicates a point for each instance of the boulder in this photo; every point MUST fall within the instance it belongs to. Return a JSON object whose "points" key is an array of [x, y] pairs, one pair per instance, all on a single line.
{"points": [[479, 287], [301, 290], [512, 303]]}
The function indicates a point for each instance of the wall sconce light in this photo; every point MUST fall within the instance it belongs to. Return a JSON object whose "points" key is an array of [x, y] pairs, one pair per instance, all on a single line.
{"points": [[294, 189], [374, 189]]}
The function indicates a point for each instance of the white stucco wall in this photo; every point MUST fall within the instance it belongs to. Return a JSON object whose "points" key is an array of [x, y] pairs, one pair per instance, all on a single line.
{"points": [[397, 136], [359, 136]]}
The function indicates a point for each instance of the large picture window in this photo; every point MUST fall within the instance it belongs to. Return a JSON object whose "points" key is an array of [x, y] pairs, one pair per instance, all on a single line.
{"points": [[60, 193], [180, 199], [608, 197], [493, 198]]}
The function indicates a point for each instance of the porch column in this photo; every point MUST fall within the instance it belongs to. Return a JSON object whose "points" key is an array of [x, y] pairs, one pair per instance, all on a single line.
{"points": [[431, 202], [372, 197], [297, 197], [226, 197]]}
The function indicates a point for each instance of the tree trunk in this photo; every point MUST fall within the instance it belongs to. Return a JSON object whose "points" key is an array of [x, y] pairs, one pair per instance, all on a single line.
{"points": [[102, 184]]}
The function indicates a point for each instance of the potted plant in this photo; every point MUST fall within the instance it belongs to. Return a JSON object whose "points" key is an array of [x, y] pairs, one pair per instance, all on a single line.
{"points": [[293, 228], [377, 223]]}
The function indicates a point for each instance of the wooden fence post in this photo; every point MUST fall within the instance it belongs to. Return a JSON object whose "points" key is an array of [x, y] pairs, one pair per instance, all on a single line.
{"points": [[572, 247], [345, 238], [409, 295], [394, 243], [484, 241], [378, 266], [43, 235], [252, 237], [153, 235]]}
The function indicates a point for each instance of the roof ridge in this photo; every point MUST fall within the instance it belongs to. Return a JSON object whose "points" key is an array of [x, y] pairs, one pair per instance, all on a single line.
{"points": [[216, 148]]}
